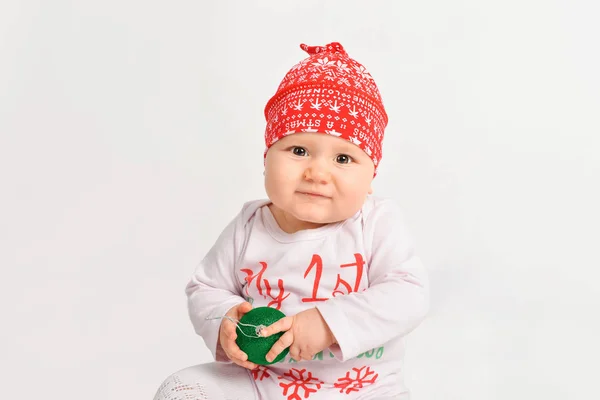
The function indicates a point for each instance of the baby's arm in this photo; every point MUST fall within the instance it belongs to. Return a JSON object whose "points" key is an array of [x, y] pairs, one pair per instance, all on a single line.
{"points": [[397, 299], [214, 289]]}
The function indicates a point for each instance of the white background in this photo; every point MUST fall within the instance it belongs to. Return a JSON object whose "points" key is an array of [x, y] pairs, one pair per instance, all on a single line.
{"points": [[131, 133]]}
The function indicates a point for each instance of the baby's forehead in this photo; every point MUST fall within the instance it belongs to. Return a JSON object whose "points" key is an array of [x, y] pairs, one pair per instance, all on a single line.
{"points": [[318, 140]]}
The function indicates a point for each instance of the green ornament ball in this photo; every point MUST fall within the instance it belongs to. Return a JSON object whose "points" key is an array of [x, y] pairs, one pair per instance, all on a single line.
{"points": [[257, 347]]}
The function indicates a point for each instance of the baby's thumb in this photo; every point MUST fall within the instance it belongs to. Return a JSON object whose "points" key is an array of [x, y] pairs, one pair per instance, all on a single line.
{"points": [[244, 308]]}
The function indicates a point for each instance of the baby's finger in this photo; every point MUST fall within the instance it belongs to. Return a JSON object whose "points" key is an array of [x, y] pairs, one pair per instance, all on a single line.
{"points": [[284, 324], [238, 354], [295, 353], [243, 309], [231, 331], [306, 356], [233, 351], [283, 343], [240, 358], [245, 364]]}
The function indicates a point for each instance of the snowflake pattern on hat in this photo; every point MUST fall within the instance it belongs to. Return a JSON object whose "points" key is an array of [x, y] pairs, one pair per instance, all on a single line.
{"points": [[329, 93]]}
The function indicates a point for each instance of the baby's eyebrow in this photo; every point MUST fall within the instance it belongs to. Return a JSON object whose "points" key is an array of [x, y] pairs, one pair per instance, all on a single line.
{"points": [[346, 149]]}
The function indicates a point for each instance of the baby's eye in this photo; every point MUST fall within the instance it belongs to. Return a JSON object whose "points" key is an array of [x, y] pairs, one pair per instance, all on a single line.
{"points": [[299, 151], [344, 159]]}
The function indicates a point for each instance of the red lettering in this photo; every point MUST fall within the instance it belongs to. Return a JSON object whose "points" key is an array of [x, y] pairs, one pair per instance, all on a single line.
{"points": [[250, 277], [260, 281], [280, 297], [339, 282], [359, 264], [315, 262]]}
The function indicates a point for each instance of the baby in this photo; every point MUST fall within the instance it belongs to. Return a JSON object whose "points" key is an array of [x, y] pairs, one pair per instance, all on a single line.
{"points": [[338, 262]]}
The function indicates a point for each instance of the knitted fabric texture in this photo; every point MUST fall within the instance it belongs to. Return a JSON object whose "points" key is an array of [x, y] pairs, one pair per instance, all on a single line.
{"points": [[328, 93]]}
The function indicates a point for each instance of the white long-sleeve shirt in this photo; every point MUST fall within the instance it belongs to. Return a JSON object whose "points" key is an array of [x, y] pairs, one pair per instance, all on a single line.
{"points": [[362, 275]]}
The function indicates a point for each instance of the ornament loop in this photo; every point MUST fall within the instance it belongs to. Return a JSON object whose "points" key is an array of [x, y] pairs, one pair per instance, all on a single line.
{"points": [[259, 329]]}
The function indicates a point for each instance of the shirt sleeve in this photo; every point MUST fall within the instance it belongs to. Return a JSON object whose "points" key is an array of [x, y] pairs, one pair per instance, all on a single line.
{"points": [[397, 299], [214, 288]]}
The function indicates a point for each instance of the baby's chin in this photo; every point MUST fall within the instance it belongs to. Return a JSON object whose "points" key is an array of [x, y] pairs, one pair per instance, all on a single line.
{"points": [[315, 215]]}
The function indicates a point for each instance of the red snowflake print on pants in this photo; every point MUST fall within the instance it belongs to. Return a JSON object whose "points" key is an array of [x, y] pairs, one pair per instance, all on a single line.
{"points": [[260, 373], [299, 381], [360, 379]]}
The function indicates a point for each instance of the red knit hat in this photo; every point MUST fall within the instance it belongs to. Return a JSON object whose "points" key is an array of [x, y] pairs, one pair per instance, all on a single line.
{"points": [[329, 93]]}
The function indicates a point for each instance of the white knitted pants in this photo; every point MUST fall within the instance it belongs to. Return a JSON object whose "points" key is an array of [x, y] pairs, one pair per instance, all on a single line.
{"points": [[215, 381], [211, 381]]}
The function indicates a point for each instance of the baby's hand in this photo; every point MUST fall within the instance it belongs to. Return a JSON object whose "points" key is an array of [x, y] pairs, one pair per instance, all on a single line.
{"points": [[228, 334], [307, 334]]}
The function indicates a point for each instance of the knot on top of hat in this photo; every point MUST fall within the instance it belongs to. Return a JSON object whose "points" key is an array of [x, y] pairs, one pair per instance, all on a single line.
{"points": [[333, 47]]}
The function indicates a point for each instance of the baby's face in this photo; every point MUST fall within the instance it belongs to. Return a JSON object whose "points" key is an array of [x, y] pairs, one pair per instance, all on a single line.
{"points": [[314, 178]]}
